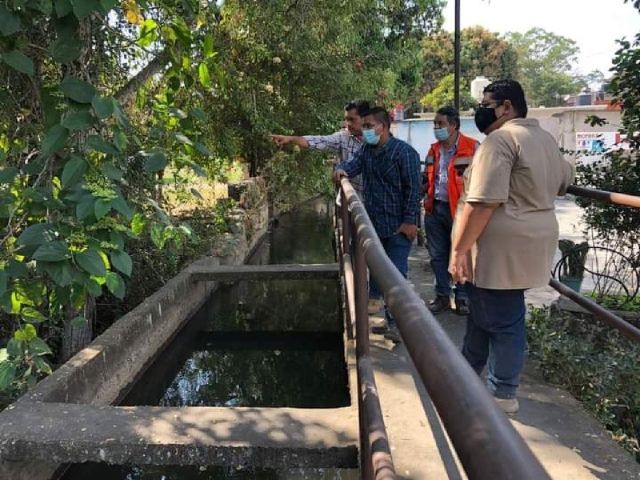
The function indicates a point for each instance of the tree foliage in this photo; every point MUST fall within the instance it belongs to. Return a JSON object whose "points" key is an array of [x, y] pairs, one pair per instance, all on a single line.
{"points": [[618, 170], [101, 97], [443, 95], [546, 62], [482, 53]]}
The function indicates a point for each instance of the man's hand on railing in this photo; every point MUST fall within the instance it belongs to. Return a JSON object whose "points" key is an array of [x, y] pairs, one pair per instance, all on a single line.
{"points": [[338, 174], [408, 230]]}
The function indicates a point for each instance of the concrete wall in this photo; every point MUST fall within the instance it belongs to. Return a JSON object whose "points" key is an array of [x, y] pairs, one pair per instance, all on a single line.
{"points": [[564, 123]]}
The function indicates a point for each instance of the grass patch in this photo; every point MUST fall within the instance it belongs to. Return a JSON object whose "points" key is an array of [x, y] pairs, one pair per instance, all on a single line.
{"points": [[597, 365], [616, 302]]}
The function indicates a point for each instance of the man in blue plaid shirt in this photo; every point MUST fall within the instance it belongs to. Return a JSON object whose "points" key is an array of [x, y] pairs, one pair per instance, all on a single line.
{"points": [[392, 181]]}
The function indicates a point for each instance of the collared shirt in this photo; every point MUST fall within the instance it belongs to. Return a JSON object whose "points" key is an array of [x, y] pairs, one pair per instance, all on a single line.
{"points": [[392, 183], [520, 167], [442, 175], [342, 143]]}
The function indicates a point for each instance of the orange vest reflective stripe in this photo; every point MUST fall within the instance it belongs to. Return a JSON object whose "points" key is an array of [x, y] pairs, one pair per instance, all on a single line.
{"points": [[458, 164]]}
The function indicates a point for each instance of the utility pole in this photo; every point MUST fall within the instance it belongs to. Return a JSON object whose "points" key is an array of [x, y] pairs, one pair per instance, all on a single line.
{"points": [[456, 60]]}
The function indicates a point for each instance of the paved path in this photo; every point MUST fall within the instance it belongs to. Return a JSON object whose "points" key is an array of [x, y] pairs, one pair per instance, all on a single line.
{"points": [[567, 440]]}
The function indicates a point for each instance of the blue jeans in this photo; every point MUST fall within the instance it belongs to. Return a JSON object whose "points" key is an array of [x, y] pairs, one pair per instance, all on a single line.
{"points": [[397, 248], [437, 227], [496, 333]]}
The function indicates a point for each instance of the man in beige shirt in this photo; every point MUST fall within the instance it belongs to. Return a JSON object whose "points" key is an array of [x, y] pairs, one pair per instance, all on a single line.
{"points": [[506, 233]]}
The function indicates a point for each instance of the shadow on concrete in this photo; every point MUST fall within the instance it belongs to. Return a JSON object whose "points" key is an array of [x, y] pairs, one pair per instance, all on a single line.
{"points": [[258, 437]]}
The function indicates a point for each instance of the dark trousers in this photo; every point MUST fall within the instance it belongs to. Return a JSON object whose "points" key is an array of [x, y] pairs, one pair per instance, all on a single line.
{"points": [[397, 248], [496, 335], [437, 227]]}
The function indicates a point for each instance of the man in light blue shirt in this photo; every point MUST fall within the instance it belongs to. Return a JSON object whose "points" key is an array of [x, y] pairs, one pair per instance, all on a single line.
{"points": [[446, 162]]}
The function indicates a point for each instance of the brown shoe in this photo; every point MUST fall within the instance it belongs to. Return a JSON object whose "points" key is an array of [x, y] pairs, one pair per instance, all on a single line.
{"points": [[375, 306], [439, 304], [510, 406]]}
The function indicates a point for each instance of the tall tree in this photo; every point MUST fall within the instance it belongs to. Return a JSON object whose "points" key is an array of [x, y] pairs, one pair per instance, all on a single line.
{"points": [[83, 136], [406, 24], [406, 19], [545, 65], [483, 53], [595, 77], [443, 95]]}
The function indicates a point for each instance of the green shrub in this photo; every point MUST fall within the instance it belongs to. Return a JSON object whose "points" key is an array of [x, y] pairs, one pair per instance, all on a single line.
{"points": [[597, 365]]}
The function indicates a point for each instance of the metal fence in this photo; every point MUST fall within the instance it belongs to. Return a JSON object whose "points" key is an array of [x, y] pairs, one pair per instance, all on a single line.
{"points": [[485, 441], [601, 313]]}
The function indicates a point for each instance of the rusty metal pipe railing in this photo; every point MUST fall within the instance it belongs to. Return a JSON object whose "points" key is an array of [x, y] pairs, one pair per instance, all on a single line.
{"points": [[379, 450], [486, 443], [602, 313], [350, 294], [375, 452], [604, 196]]}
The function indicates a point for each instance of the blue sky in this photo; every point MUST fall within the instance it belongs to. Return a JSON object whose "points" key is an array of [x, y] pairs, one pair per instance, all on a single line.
{"points": [[593, 24]]}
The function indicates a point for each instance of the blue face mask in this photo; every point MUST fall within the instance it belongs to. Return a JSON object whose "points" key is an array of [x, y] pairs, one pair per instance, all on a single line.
{"points": [[441, 134], [370, 136]]}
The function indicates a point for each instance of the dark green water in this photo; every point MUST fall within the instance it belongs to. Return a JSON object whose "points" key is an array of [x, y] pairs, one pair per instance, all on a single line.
{"points": [[253, 344]]}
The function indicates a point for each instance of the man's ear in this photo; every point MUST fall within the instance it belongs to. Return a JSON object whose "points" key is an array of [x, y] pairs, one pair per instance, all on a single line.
{"points": [[508, 106]]}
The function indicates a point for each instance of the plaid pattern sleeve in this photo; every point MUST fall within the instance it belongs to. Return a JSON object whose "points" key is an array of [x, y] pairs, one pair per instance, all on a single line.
{"points": [[332, 143], [411, 179], [342, 143]]}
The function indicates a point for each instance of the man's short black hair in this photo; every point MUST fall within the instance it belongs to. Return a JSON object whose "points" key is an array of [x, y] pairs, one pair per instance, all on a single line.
{"points": [[509, 90], [380, 114], [453, 117], [360, 106]]}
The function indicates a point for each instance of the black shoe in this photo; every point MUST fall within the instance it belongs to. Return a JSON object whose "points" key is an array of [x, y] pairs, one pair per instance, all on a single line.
{"points": [[462, 308], [440, 304], [393, 334]]}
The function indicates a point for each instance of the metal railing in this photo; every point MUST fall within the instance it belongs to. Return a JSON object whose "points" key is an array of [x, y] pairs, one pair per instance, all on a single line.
{"points": [[603, 314], [485, 441], [375, 452], [603, 196]]}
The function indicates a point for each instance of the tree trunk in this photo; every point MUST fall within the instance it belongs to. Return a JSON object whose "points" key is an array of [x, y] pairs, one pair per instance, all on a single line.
{"points": [[154, 67], [77, 338]]}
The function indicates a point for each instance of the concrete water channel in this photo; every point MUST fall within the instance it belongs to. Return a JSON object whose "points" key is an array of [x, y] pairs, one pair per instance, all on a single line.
{"points": [[242, 372], [258, 383], [269, 343]]}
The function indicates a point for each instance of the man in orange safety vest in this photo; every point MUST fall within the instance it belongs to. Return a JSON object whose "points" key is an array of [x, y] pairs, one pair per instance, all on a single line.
{"points": [[446, 163]]}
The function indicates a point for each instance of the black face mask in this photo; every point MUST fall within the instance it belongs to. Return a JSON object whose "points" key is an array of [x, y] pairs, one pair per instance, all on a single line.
{"points": [[485, 117]]}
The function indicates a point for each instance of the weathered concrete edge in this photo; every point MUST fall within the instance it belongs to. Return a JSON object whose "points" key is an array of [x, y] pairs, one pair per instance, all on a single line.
{"points": [[329, 271], [258, 457], [121, 352], [71, 433]]}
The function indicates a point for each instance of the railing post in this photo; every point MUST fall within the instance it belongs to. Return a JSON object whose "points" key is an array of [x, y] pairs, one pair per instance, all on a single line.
{"points": [[362, 299], [362, 348], [346, 224]]}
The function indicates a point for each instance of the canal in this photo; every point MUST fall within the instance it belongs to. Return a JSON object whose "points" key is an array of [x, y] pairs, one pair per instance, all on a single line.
{"points": [[253, 344]]}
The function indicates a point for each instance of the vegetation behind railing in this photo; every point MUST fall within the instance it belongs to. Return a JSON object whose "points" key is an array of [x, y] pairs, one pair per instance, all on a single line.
{"points": [[595, 364]]}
